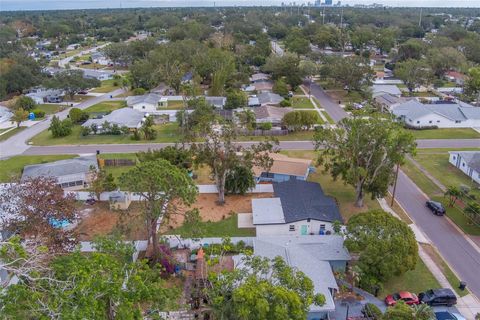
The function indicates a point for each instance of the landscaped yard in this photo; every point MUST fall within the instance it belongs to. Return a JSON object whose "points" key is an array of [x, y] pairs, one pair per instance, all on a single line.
{"points": [[107, 86], [301, 103], [105, 106], [165, 133], [415, 281], [10, 133], [13, 167], [450, 133], [345, 96], [224, 228]]}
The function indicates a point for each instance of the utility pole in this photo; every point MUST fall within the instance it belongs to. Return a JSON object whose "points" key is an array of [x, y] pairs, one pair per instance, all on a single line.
{"points": [[395, 185], [420, 20], [323, 16]]}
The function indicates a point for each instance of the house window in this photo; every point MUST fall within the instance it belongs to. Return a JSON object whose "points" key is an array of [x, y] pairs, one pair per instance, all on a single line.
{"points": [[308, 220], [430, 121], [463, 164], [143, 107], [438, 121], [418, 121], [322, 227], [454, 158], [291, 227], [457, 121]]}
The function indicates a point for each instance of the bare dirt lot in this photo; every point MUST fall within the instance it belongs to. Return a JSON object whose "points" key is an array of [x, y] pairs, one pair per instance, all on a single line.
{"points": [[99, 220], [211, 211]]}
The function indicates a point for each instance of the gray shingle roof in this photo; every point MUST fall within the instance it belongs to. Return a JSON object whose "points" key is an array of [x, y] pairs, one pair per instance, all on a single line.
{"points": [[305, 200], [269, 98], [217, 102], [309, 254], [60, 168], [380, 89], [124, 117], [413, 109], [151, 98]]}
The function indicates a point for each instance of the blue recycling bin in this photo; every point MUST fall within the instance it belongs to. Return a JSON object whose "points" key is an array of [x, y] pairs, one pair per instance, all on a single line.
{"points": [[31, 116]]}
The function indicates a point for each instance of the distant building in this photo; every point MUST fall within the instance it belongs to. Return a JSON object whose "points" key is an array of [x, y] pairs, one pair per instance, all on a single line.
{"points": [[271, 114], [96, 74]]}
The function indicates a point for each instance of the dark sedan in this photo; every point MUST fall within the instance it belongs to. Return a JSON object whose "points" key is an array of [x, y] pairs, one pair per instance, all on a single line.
{"points": [[436, 207]]}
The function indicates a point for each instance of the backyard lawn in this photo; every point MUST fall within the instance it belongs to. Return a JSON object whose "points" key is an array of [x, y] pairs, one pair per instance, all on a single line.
{"points": [[13, 167], [107, 86], [165, 133], [450, 133], [223, 228], [301, 103], [105, 106]]}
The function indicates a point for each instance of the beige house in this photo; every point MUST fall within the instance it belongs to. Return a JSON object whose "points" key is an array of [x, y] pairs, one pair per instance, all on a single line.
{"points": [[284, 168]]}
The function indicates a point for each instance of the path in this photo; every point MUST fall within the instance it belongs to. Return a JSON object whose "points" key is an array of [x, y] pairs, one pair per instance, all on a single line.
{"points": [[314, 103], [327, 103]]}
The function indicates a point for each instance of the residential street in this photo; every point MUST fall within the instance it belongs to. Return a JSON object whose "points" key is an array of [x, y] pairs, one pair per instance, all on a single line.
{"points": [[452, 244], [17, 144]]}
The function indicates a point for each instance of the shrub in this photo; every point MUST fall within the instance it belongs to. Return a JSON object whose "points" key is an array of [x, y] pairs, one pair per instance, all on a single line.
{"points": [[372, 311], [25, 103], [286, 103], [138, 91], [38, 113], [77, 115], [60, 128], [115, 83], [86, 131], [265, 126]]}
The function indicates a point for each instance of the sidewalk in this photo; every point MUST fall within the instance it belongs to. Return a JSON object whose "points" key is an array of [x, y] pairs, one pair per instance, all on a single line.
{"points": [[320, 113], [469, 305]]}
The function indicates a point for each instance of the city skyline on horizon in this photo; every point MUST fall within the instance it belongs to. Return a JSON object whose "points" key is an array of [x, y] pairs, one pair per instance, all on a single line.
{"points": [[19, 5]]}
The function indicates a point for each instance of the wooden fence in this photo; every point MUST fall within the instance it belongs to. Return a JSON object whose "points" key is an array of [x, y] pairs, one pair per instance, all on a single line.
{"points": [[116, 162]]}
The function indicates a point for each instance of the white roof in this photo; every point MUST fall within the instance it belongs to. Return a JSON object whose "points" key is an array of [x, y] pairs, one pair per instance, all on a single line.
{"points": [[385, 88], [267, 211]]}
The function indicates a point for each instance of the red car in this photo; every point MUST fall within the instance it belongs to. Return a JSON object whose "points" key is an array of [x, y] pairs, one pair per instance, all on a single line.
{"points": [[407, 297]]}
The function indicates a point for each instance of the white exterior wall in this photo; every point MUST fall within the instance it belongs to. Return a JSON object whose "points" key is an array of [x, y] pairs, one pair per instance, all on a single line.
{"points": [[462, 166], [284, 229], [145, 107], [441, 122]]}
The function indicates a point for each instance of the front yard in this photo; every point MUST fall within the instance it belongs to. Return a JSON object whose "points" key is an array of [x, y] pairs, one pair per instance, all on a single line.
{"points": [[450, 133], [108, 85], [165, 133], [301, 103], [106, 106], [50, 108]]}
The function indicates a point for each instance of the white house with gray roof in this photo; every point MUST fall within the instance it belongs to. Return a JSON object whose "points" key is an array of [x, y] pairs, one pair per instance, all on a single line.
{"points": [[124, 117], [71, 174], [468, 162], [381, 89], [298, 208], [316, 256], [145, 103], [443, 115]]}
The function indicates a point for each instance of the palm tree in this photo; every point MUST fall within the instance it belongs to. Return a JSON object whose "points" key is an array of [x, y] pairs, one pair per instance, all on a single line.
{"points": [[454, 193], [423, 312]]}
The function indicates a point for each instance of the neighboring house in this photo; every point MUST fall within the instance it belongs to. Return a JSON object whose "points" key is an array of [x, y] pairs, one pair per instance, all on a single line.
{"points": [[381, 89], [73, 46], [145, 103], [271, 114], [388, 102], [97, 74], [456, 77], [263, 86], [217, 102], [258, 77], [42, 95], [317, 257], [253, 102], [443, 115], [299, 208], [269, 98], [284, 168], [71, 174], [99, 58], [468, 162], [124, 117], [187, 78]]}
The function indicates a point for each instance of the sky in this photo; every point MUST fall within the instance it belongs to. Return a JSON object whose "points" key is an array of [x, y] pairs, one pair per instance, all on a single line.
{"points": [[87, 4]]}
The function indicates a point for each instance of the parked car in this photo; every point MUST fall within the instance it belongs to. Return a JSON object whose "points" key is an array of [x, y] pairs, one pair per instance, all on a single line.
{"points": [[82, 92], [90, 201], [445, 315], [436, 207], [408, 297], [438, 297]]}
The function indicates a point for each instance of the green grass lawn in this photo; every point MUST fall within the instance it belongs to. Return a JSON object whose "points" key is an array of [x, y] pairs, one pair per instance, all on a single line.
{"points": [[105, 106], [344, 194], [174, 105], [107, 86], [11, 133], [416, 281], [293, 136], [423, 94], [301, 103], [13, 167], [165, 133], [227, 227], [50, 108], [450, 133]]}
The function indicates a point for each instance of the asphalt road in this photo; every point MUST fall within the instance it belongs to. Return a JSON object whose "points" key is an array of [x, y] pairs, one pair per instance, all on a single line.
{"points": [[17, 144], [461, 255], [453, 245]]}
